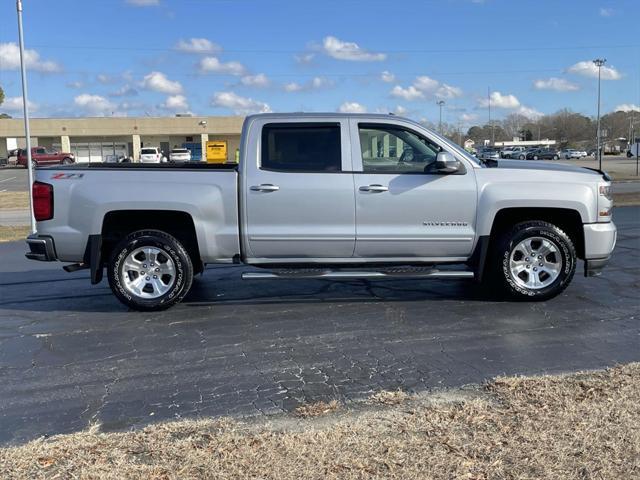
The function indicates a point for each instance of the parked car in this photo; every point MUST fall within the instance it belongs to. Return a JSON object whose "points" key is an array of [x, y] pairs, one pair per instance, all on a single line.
{"points": [[511, 152], [116, 159], [542, 154], [302, 191], [570, 153], [180, 155], [152, 155], [523, 154], [42, 156], [488, 153]]}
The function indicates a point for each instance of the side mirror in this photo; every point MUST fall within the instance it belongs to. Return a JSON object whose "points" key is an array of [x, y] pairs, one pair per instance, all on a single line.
{"points": [[447, 163]]}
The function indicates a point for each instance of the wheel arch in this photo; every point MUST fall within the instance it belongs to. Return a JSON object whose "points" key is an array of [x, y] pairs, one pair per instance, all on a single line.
{"points": [[117, 224], [568, 220]]}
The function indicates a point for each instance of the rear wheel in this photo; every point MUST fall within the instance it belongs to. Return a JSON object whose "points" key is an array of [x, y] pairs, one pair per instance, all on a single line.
{"points": [[67, 161], [556, 157], [535, 157], [150, 270], [533, 261]]}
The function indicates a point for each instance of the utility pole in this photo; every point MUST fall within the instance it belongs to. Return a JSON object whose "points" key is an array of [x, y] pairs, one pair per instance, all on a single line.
{"points": [[493, 135], [599, 62], [440, 104], [25, 110]]}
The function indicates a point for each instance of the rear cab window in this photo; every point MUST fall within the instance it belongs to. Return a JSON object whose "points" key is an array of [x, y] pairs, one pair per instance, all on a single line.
{"points": [[301, 147]]}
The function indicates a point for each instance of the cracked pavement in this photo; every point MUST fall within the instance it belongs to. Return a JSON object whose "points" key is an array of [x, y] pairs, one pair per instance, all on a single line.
{"points": [[72, 356]]}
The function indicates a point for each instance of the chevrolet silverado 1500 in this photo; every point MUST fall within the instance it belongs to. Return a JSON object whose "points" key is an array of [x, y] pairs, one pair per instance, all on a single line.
{"points": [[326, 196]]}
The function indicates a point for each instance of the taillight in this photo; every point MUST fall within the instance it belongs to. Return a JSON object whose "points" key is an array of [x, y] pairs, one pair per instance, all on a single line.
{"points": [[42, 194]]}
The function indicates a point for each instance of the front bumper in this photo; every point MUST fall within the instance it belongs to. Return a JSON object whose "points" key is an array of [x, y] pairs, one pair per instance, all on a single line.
{"points": [[599, 242], [41, 248]]}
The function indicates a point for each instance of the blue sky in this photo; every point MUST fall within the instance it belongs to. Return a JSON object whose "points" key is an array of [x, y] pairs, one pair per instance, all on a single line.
{"points": [[221, 57]]}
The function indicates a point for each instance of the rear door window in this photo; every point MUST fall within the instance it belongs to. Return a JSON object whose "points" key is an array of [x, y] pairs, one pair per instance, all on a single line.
{"points": [[301, 147]]}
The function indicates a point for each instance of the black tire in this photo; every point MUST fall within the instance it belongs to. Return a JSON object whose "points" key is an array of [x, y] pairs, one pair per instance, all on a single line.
{"points": [[499, 271], [67, 161], [535, 157], [170, 247], [522, 157], [556, 157]]}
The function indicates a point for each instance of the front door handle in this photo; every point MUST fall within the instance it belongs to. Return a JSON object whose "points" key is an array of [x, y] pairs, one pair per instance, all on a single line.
{"points": [[265, 187], [374, 188]]}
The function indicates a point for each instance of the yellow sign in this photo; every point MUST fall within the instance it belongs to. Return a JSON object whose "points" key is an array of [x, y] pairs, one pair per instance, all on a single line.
{"points": [[217, 151]]}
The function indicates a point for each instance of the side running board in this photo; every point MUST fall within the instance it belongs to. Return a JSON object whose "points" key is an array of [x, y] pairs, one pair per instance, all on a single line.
{"points": [[381, 274]]}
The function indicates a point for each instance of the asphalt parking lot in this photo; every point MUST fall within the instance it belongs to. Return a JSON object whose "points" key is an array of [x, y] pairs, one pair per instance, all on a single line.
{"points": [[72, 356]]}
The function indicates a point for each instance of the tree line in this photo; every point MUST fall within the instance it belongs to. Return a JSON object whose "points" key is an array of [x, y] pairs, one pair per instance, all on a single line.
{"points": [[569, 129]]}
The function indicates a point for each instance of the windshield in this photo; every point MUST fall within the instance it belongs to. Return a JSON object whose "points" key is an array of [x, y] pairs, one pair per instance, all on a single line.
{"points": [[148, 151], [179, 150]]}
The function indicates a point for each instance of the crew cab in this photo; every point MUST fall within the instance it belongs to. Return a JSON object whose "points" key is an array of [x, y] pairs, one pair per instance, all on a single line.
{"points": [[328, 196], [42, 156]]}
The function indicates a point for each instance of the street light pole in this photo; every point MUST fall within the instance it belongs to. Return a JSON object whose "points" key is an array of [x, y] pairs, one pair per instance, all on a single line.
{"points": [[599, 62], [25, 110], [440, 104]]}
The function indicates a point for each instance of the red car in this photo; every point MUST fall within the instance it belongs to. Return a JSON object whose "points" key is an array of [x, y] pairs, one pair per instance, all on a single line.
{"points": [[40, 156]]}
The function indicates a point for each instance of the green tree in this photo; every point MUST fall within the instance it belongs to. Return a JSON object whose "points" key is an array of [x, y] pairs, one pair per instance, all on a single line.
{"points": [[1, 95]]}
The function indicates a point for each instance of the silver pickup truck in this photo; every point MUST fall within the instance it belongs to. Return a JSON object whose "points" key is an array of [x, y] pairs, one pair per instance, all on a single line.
{"points": [[328, 196]]}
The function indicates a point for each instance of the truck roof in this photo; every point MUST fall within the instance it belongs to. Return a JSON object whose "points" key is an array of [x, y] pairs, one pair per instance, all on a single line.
{"points": [[327, 114]]}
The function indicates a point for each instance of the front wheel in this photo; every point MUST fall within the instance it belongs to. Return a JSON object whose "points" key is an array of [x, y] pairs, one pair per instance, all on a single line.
{"points": [[535, 157], [150, 270], [67, 161], [534, 261], [556, 157]]}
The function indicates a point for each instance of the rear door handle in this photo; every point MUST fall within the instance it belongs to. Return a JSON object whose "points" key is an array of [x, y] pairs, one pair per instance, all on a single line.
{"points": [[374, 188], [265, 187]]}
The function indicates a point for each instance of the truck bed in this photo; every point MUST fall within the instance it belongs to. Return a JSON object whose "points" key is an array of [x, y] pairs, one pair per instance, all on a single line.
{"points": [[85, 194]]}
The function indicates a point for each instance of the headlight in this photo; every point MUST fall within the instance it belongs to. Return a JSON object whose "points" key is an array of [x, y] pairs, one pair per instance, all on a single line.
{"points": [[605, 191]]}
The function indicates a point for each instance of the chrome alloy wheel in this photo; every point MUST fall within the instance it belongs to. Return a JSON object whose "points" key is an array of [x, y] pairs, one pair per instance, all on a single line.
{"points": [[148, 272], [535, 263]]}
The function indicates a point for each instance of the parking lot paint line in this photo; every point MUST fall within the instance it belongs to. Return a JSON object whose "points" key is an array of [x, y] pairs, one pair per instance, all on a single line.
{"points": [[7, 179]]}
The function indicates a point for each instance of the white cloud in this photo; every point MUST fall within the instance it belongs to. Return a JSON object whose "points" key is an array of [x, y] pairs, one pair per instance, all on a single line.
{"points": [[387, 77], [304, 58], [197, 45], [529, 112], [176, 103], [410, 93], [555, 83], [93, 104], [498, 100], [105, 79], [587, 68], [469, 117], [260, 80], [352, 107], [400, 110], [144, 3], [606, 12], [627, 107], [76, 84], [14, 104], [240, 105], [158, 82], [316, 83], [124, 91], [350, 51], [424, 86], [10, 59], [448, 91], [212, 64]]}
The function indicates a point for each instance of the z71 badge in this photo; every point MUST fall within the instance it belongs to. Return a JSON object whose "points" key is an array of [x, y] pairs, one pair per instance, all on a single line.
{"points": [[67, 176]]}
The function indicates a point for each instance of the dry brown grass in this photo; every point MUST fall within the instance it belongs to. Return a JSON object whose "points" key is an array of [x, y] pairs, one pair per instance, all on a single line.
{"points": [[317, 409], [583, 426], [386, 397], [11, 233], [14, 200]]}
